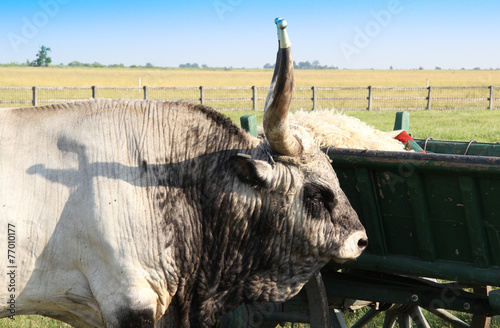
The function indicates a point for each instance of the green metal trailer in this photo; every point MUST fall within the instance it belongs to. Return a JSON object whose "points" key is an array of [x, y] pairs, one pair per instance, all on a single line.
{"points": [[434, 215], [433, 222]]}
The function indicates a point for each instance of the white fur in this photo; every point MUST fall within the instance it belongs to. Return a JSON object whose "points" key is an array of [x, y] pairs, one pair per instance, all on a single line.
{"points": [[329, 127]]}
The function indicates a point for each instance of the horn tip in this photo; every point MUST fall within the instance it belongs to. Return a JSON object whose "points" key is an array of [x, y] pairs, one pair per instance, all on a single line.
{"points": [[284, 40], [281, 23]]}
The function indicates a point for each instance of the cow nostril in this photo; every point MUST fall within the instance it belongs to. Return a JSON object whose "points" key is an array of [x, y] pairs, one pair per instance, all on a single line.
{"points": [[363, 243]]}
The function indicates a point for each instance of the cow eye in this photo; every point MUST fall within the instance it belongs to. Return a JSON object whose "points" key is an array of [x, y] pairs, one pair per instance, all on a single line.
{"points": [[318, 198]]}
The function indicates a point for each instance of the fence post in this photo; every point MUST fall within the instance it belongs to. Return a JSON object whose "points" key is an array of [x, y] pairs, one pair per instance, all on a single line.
{"points": [[34, 96], [370, 97], [249, 124], [94, 92], [145, 92], [492, 99], [314, 97], [201, 96], [429, 97], [254, 97]]}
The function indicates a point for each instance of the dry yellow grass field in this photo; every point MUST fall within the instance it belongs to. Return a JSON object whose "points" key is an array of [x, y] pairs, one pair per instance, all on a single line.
{"points": [[129, 77]]}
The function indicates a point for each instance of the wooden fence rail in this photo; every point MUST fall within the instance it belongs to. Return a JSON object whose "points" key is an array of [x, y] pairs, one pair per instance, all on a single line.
{"points": [[246, 98]]}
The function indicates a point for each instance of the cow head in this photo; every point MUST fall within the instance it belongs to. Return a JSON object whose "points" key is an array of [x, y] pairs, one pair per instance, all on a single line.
{"points": [[273, 215], [325, 224]]}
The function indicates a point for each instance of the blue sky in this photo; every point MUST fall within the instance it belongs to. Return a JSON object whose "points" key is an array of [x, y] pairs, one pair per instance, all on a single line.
{"points": [[241, 33]]}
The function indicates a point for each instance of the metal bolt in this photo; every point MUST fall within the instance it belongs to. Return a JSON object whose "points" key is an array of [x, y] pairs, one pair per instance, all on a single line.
{"points": [[466, 306], [414, 297]]}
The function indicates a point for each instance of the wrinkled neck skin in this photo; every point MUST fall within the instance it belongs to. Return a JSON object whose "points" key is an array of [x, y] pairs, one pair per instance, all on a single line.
{"points": [[242, 263], [225, 255]]}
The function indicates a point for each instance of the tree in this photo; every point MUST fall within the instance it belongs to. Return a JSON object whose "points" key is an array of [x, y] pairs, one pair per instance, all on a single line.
{"points": [[189, 65], [41, 58], [75, 63], [304, 65]]}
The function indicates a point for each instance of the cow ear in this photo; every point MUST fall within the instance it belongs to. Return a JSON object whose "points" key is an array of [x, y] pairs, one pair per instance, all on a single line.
{"points": [[257, 173]]}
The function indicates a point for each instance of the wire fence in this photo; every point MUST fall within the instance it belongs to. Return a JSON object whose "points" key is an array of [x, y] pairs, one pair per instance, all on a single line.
{"points": [[253, 98]]}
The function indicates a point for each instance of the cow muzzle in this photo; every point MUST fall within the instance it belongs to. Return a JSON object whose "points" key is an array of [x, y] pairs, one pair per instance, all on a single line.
{"points": [[353, 246]]}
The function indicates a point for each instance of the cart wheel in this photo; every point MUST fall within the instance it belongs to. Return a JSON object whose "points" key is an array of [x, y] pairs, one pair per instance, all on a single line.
{"points": [[412, 316], [408, 316]]}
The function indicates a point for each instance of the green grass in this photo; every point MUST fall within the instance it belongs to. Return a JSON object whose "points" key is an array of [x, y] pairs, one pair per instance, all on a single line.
{"points": [[482, 125], [31, 321]]}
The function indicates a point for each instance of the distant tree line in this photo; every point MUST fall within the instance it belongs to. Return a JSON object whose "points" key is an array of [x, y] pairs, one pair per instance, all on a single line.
{"points": [[76, 63], [43, 60], [195, 65]]}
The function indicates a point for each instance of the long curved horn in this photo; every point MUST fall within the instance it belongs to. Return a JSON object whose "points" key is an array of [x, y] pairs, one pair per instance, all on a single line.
{"points": [[279, 98]]}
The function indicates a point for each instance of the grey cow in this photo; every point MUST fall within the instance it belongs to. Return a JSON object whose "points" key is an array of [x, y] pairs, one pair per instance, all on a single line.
{"points": [[125, 212]]}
